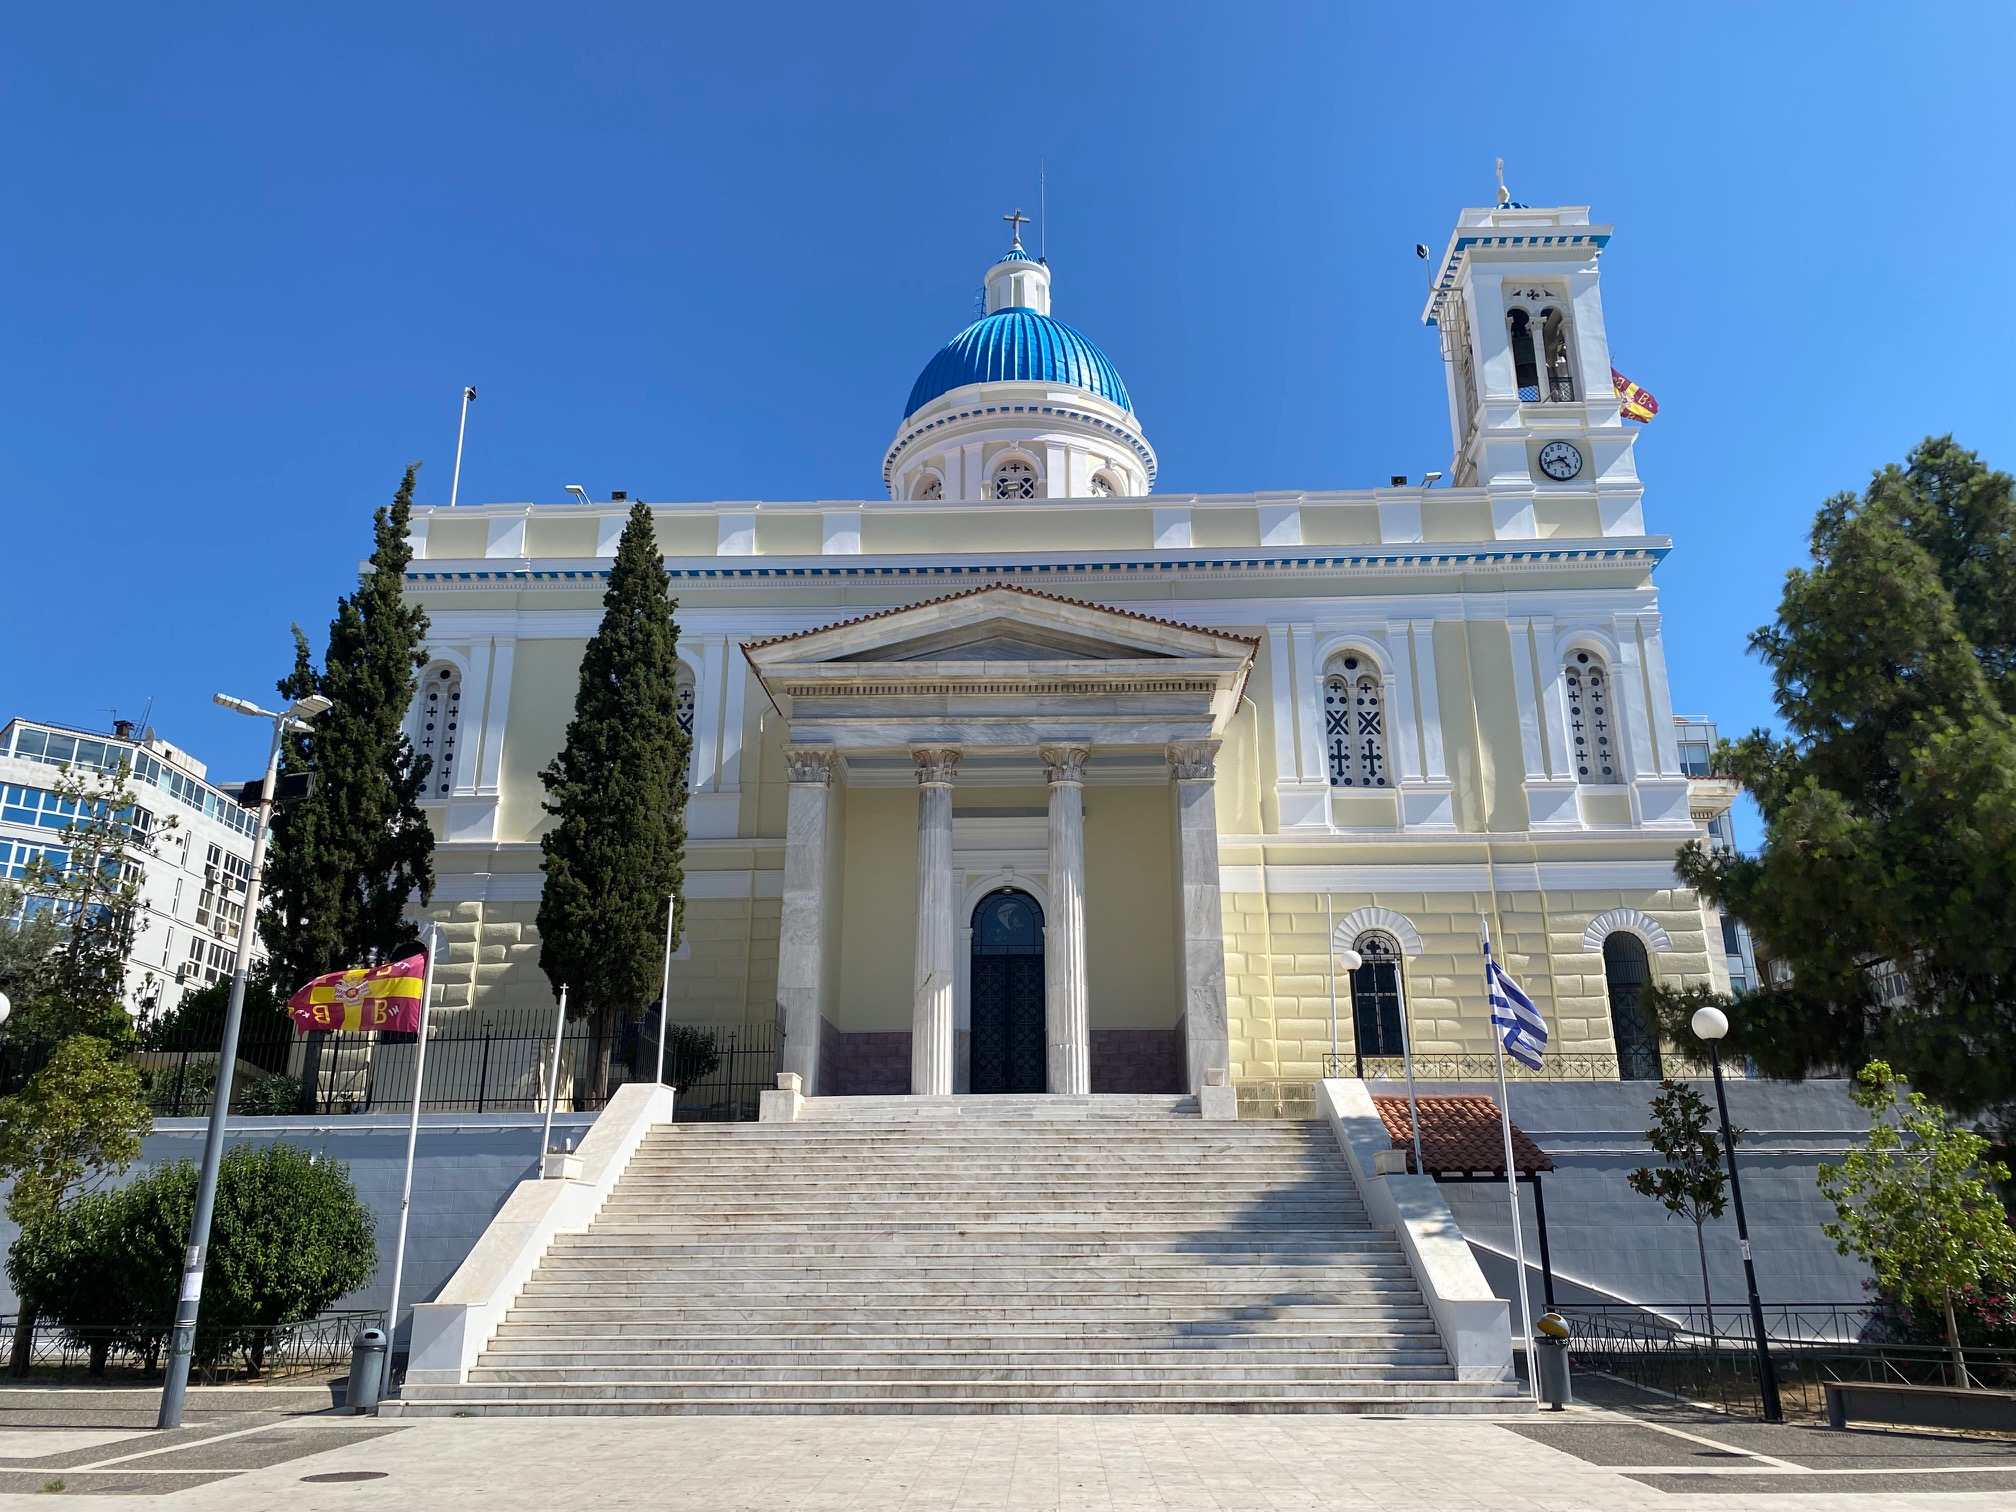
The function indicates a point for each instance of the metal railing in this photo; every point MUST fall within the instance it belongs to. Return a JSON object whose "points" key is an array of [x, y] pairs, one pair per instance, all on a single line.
{"points": [[472, 1067], [311, 1346], [1482, 1065], [1708, 1356]]}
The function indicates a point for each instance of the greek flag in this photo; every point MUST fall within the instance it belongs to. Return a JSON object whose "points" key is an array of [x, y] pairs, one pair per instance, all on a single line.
{"points": [[1513, 1011]]}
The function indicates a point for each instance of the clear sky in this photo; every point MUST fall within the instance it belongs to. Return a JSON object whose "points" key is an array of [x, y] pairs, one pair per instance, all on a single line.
{"points": [[252, 253]]}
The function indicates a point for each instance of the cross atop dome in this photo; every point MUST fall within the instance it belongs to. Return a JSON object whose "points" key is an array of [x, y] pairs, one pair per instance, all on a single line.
{"points": [[1018, 220]]}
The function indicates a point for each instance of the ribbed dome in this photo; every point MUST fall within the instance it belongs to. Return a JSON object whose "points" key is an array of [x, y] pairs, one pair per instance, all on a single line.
{"points": [[1017, 344]]}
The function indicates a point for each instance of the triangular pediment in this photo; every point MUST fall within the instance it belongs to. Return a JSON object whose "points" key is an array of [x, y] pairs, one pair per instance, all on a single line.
{"points": [[1000, 624]]}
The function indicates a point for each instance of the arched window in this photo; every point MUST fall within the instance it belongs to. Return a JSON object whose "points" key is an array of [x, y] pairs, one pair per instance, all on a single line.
{"points": [[1554, 348], [682, 692], [1354, 724], [1015, 479], [1589, 724], [1106, 486], [1626, 969], [933, 487], [1525, 364], [440, 722], [1375, 997]]}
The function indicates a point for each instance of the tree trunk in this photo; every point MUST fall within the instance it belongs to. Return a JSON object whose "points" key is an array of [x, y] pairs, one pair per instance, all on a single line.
{"points": [[597, 1093], [1707, 1297], [24, 1341], [100, 1348], [1953, 1343]]}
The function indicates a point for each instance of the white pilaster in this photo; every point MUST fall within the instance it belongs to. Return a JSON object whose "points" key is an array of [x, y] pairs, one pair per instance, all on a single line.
{"points": [[801, 932], [932, 1026], [1067, 1023], [1201, 959]]}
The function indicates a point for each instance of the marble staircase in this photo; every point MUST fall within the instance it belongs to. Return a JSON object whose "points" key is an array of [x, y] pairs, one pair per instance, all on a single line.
{"points": [[980, 1255]]}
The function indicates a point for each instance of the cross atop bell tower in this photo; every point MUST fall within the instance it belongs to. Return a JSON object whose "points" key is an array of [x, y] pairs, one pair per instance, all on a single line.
{"points": [[1533, 417]]}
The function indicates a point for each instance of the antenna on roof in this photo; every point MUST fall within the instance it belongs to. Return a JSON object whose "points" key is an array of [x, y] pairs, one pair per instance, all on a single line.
{"points": [[1043, 212]]}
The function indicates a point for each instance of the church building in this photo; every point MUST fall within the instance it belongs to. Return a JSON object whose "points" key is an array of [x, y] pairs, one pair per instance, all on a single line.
{"points": [[1029, 778]]}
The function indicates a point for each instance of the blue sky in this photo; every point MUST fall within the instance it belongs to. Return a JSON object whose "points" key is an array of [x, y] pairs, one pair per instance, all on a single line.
{"points": [[252, 253]]}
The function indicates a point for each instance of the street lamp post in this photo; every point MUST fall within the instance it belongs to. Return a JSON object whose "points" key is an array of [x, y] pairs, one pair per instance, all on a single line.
{"points": [[182, 1342], [1710, 1024]]}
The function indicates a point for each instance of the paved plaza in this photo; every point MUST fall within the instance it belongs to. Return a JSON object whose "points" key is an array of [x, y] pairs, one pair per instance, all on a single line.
{"points": [[237, 1458]]}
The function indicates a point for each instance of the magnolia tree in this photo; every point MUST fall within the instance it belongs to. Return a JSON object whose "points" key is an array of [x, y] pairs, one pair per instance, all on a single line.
{"points": [[1694, 1182], [1917, 1202]]}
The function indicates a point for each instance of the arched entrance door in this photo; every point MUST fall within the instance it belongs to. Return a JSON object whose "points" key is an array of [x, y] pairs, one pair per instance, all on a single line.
{"points": [[1007, 1039]]}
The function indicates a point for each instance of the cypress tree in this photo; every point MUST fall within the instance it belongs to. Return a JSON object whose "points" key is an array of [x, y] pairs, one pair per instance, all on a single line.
{"points": [[618, 793], [345, 862]]}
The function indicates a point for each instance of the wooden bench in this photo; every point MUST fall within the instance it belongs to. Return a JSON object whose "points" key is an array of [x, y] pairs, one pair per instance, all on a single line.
{"points": [[1974, 1411]]}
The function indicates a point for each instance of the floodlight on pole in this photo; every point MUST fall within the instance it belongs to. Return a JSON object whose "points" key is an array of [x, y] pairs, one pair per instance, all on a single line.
{"points": [[578, 491], [1711, 1025], [455, 483]]}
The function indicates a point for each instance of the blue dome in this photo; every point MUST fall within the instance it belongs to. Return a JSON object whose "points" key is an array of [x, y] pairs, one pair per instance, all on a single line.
{"points": [[1017, 344]]}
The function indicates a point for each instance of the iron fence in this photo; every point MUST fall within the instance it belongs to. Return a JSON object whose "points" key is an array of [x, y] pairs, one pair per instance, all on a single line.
{"points": [[1483, 1066], [310, 1346], [1708, 1355], [474, 1064]]}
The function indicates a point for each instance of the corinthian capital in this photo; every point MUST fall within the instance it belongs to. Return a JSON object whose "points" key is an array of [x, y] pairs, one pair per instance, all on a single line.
{"points": [[935, 764], [811, 764], [1064, 763], [1193, 760]]}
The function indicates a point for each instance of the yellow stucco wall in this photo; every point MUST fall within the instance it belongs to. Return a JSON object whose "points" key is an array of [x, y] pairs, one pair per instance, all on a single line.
{"points": [[1130, 892], [545, 675], [878, 938]]}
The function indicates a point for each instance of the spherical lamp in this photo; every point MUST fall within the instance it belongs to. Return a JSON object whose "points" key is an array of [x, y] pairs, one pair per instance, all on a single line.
{"points": [[1350, 960], [1710, 1024], [5, 1007]]}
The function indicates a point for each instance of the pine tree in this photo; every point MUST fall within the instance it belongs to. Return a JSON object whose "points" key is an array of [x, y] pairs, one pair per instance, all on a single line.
{"points": [[618, 792], [345, 862], [1890, 811]]}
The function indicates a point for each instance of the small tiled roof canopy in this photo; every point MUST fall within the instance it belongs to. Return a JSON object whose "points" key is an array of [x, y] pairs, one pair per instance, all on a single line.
{"points": [[1460, 1136]]}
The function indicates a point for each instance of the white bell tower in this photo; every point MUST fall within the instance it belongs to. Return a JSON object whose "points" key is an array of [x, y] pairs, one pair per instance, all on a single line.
{"points": [[1517, 300]]}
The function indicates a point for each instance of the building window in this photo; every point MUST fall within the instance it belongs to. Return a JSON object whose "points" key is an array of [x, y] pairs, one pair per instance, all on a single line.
{"points": [[1554, 347], [1375, 998], [1525, 366], [933, 487], [1354, 725], [1589, 719], [1694, 758], [220, 907], [440, 727], [682, 693], [1626, 969], [1106, 486], [1015, 479]]}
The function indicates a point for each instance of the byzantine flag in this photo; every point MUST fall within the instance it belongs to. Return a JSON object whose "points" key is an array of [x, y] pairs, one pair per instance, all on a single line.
{"points": [[1633, 403], [375, 997]]}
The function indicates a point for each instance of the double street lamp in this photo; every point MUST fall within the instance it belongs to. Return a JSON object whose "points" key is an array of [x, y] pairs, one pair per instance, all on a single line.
{"points": [[182, 1342], [1710, 1025]]}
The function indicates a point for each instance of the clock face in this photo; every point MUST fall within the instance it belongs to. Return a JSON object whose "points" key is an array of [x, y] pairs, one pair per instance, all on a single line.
{"points": [[1560, 460]]}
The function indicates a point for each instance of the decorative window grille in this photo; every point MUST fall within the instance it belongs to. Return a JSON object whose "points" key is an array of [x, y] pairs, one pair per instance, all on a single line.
{"points": [[441, 727], [1375, 997], [683, 705], [1589, 719], [1354, 726], [1104, 486], [1626, 969], [933, 487], [1015, 480]]}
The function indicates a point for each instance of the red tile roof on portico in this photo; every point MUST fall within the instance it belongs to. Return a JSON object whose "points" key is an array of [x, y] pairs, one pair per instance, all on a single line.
{"points": [[1460, 1136]]}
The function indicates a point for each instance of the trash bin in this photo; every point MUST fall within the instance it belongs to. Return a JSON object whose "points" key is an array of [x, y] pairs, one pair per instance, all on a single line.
{"points": [[1550, 1370], [368, 1359]]}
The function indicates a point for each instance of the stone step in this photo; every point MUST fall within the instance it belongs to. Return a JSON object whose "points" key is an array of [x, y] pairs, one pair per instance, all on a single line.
{"points": [[939, 1354], [944, 1312], [611, 1389], [1479, 1401], [929, 1249], [1283, 1332], [863, 1378], [959, 1271]]}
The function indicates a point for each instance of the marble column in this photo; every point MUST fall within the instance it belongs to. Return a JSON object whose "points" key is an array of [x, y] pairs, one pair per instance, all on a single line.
{"points": [[1067, 1027], [801, 944], [933, 1006], [1207, 1046]]}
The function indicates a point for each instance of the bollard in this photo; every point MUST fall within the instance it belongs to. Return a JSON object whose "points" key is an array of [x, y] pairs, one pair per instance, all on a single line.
{"points": [[369, 1358]]}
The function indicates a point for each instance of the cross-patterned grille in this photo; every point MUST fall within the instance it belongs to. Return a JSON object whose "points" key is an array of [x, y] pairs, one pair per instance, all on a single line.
{"points": [[1354, 728], [1589, 719], [440, 723], [1015, 480], [683, 706]]}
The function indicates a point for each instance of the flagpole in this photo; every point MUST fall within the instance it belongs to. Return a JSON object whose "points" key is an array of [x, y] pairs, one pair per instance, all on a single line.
{"points": [[665, 987], [1511, 1176], [412, 1139], [553, 1080]]}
